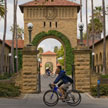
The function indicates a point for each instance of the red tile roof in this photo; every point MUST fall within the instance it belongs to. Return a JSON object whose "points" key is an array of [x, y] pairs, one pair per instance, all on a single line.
{"points": [[5, 43], [20, 43], [49, 3], [85, 42], [48, 53]]}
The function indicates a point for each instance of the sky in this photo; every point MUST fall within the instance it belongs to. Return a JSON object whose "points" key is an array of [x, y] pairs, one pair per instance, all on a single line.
{"points": [[47, 44]]}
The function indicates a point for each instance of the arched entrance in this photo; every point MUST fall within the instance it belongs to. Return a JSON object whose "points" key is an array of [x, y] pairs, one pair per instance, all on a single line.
{"points": [[65, 42], [49, 65], [48, 61]]}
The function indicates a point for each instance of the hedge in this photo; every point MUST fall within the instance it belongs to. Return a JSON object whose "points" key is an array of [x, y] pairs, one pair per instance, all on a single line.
{"points": [[103, 90], [58, 35], [9, 90]]}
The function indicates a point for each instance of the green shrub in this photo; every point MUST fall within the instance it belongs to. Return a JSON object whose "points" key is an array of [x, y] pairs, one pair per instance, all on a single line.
{"points": [[103, 90], [9, 90], [19, 60], [5, 76], [104, 76]]}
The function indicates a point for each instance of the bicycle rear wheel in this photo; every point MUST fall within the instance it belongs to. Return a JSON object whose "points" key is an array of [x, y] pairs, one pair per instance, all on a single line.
{"points": [[50, 98], [74, 98], [53, 75]]}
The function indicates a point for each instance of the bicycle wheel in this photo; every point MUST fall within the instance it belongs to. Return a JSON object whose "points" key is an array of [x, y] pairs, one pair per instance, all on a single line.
{"points": [[53, 75], [45, 75], [74, 98], [50, 98]]}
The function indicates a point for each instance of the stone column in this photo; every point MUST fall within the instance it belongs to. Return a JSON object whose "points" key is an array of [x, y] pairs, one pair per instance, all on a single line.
{"points": [[82, 68], [29, 70]]}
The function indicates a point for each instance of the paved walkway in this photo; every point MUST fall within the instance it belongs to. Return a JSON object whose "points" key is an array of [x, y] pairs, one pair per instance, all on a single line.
{"points": [[35, 100]]}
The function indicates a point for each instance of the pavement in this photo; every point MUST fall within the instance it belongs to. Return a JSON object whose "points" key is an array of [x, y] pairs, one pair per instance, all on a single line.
{"points": [[36, 100]]}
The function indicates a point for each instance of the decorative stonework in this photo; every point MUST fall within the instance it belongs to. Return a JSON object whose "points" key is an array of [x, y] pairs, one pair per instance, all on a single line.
{"points": [[29, 71]]}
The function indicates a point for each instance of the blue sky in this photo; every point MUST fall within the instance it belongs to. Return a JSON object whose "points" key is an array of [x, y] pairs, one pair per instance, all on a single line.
{"points": [[50, 43]]}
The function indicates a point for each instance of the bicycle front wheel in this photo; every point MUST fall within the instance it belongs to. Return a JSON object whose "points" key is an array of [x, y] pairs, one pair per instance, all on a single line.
{"points": [[74, 98], [50, 98]]}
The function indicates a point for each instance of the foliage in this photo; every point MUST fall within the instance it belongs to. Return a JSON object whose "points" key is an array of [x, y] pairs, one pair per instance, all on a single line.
{"points": [[63, 38], [60, 55], [103, 90], [104, 76], [9, 90], [98, 22], [20, 31], [56, 49], [5, 76], [98, 13], [97, 26], [40, 51], [2, 11], [19, 60]]}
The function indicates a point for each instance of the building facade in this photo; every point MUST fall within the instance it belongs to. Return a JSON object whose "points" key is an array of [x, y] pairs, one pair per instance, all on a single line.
{"points": [[98, 57], [7, 50], [45, 15]]}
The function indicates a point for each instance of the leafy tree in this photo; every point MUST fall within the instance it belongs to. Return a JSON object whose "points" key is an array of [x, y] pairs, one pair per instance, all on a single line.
{"points": [[97, 27], [60, 55], [40, 51], [2, 11], [20, 32], [98, 18], [98, 13], [55, 49]]}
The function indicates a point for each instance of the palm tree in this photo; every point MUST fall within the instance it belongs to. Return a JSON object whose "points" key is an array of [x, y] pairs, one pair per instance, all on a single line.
{"points": [[92, 4], [16, 40], [14, 34], [104, 40], [2, 11], [87, 22], [4, 37], [81, 11]]}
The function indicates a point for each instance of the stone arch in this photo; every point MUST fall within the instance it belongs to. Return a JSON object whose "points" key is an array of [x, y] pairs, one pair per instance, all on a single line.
{"points": [[49, 63], [63, 39]]}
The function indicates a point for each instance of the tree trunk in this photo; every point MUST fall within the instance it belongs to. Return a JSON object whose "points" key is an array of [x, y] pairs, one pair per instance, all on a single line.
{"points": [[16, 40], [87, 23], [92, 5], [3, 43], [81, 11], [104, 40], [14, 33]]}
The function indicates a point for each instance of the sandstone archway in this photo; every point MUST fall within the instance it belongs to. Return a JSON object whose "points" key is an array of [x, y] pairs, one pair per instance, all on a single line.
{"points": [[69, 57]]}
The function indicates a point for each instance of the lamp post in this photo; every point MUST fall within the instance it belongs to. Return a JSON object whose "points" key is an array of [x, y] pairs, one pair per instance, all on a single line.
{"points": [[93, 54], [39, 77], [81, 26], [30, 27], [9, 62], [15, 64]]}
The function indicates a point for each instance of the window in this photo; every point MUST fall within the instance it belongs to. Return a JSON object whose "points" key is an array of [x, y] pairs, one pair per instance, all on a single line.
{"points": [[50, 24], [44, 24], [56, 24]]}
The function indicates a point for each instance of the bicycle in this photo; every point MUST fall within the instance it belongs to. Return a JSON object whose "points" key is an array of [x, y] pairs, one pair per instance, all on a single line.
{"points": [[52, 75], [54, 96]]}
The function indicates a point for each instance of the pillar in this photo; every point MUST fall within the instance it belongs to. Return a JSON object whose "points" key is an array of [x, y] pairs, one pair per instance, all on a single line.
{"points": [[82, 68], [29, 70]]}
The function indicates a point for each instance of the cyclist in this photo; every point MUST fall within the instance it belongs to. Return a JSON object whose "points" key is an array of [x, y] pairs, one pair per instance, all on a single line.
{"points": [[66, 81], [48, 71]]}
